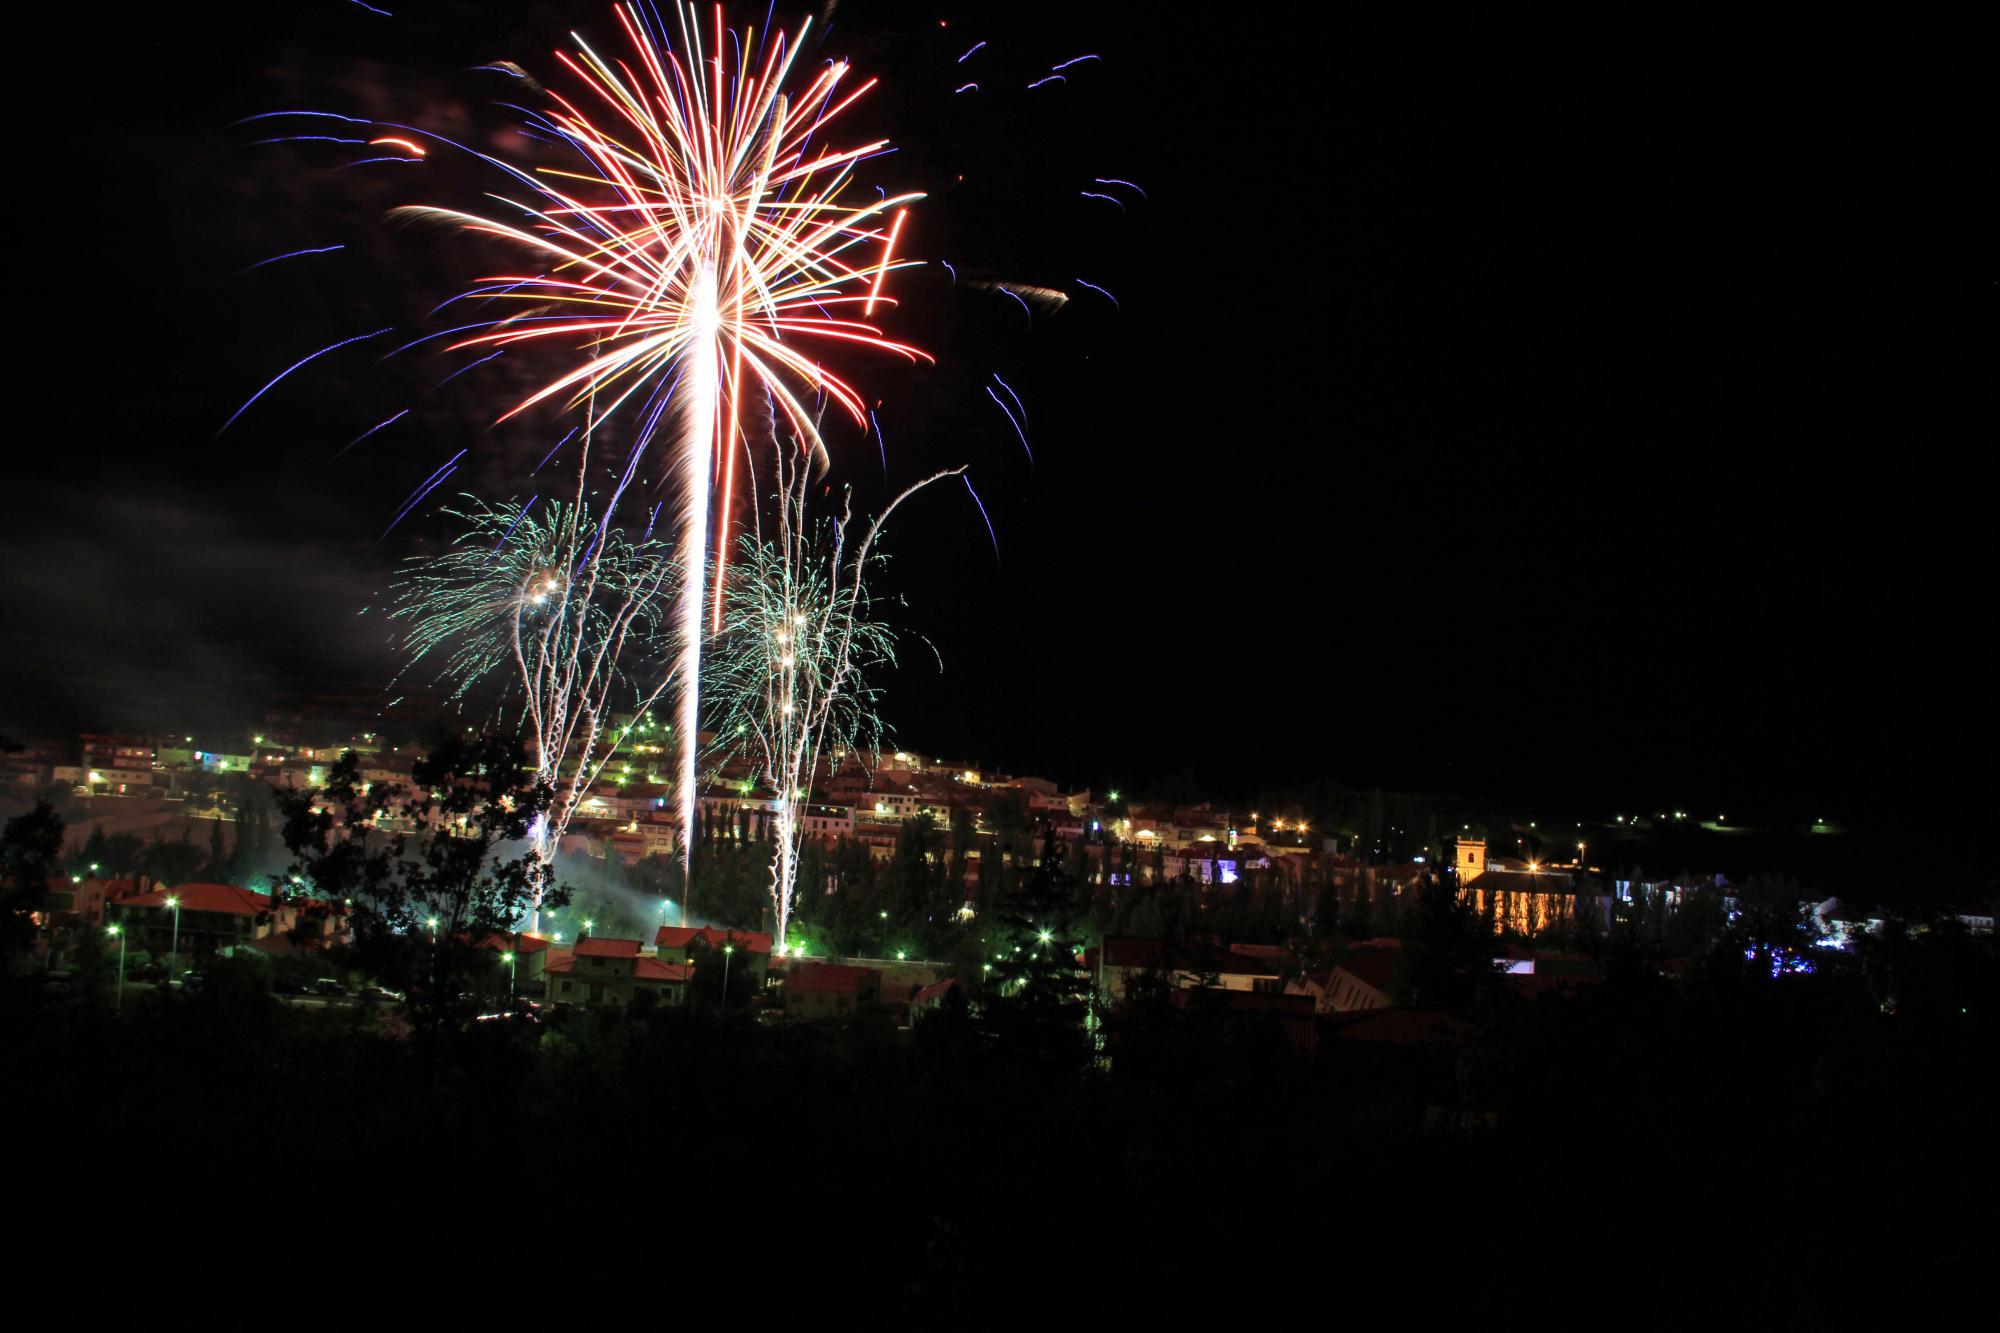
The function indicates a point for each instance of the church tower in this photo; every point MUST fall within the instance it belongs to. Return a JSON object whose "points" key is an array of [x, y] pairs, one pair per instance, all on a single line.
{"points": [[1468, 857]]}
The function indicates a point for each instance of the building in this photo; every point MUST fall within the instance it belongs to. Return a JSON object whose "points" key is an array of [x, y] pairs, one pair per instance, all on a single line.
{"points": [[753, 948], [933, 996], [612, 972], [117, 764], [828, 823], [1468, 858], [820, 991], [1978, 920], [1536, 899], [1362, 980], [1192, 963], [210, 917], [1212, 862], [79, 900], [532, 955]]}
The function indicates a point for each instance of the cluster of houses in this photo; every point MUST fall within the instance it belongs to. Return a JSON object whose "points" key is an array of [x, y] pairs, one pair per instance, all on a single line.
{"points": [[164, 788], [601, 971], [161, 786], [189, 919]]}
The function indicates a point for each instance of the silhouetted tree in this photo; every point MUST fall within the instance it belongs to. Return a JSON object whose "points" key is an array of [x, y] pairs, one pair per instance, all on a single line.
{"points": [[447, 861], [1036, 998], [1447, 949], [218, 870], [171, 863], [712, 967], [30, 855]]}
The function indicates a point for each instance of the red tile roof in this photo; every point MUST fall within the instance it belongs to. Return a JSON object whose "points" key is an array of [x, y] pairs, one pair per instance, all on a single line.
{"points": [[226, 899], [590, 946], [518, 943], [1373, 967], [1403, 1026], [936, 991], [1243, 1001], [1191, 956], [828, 978], [679, 937], [652, 969]]}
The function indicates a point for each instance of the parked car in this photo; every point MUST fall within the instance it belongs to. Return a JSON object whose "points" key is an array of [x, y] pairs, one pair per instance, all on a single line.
{"points": [[381, 995], [328, 986], [520, 1011]]}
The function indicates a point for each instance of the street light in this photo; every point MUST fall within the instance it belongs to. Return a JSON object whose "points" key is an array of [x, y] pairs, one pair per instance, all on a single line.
{"points": [[432, 922], [174, 965], [727, 950], [508, 958], [119, 931]]}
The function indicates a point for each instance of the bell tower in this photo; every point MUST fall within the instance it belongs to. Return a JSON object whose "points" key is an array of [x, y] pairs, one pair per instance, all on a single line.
{"points": [[1468, 858]]}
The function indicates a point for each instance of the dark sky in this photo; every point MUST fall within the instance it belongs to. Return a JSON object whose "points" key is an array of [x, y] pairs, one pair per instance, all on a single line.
{"points": [[1585, 405]]}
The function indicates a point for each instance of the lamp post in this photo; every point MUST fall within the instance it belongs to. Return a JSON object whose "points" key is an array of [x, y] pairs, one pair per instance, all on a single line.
{"points": [[119, 931], [174, 956], [432, 922], [508, 958], [727, 950]]}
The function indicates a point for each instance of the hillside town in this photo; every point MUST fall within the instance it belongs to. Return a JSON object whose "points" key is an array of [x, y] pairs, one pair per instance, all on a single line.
{"points": [[169, 847]]}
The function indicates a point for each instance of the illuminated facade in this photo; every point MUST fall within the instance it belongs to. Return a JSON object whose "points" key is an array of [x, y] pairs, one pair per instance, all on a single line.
{"points": [[1529, 902]]}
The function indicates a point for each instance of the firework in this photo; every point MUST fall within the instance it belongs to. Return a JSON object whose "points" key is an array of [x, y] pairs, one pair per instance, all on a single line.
{"points": [[702, 250], [790, 673], [573, 610]]}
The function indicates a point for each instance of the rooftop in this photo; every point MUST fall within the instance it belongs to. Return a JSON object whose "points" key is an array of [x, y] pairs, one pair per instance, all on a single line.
{"points": [[221, 898], [590, 946], [828, 978], [679, 937]]}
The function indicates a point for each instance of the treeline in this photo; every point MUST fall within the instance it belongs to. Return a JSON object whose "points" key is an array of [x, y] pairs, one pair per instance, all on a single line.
{"points": [[1642, 1151]]}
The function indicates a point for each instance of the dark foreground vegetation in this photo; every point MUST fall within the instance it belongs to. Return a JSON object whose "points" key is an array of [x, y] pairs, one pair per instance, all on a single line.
{"points": [[1722, 1143]]}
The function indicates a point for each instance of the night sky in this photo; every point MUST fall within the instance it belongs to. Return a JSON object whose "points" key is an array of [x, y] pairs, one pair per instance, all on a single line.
{"points": [[1569, 407]]}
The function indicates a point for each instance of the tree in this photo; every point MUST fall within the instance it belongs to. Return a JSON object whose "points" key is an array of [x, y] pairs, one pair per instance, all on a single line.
{"points": [[30, 855], [429, 898], [93, 859], [171, 863], [218, 870], [712, 968], [1447, 949], [1035, 1001], [123, 854], [1771, 919]]}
